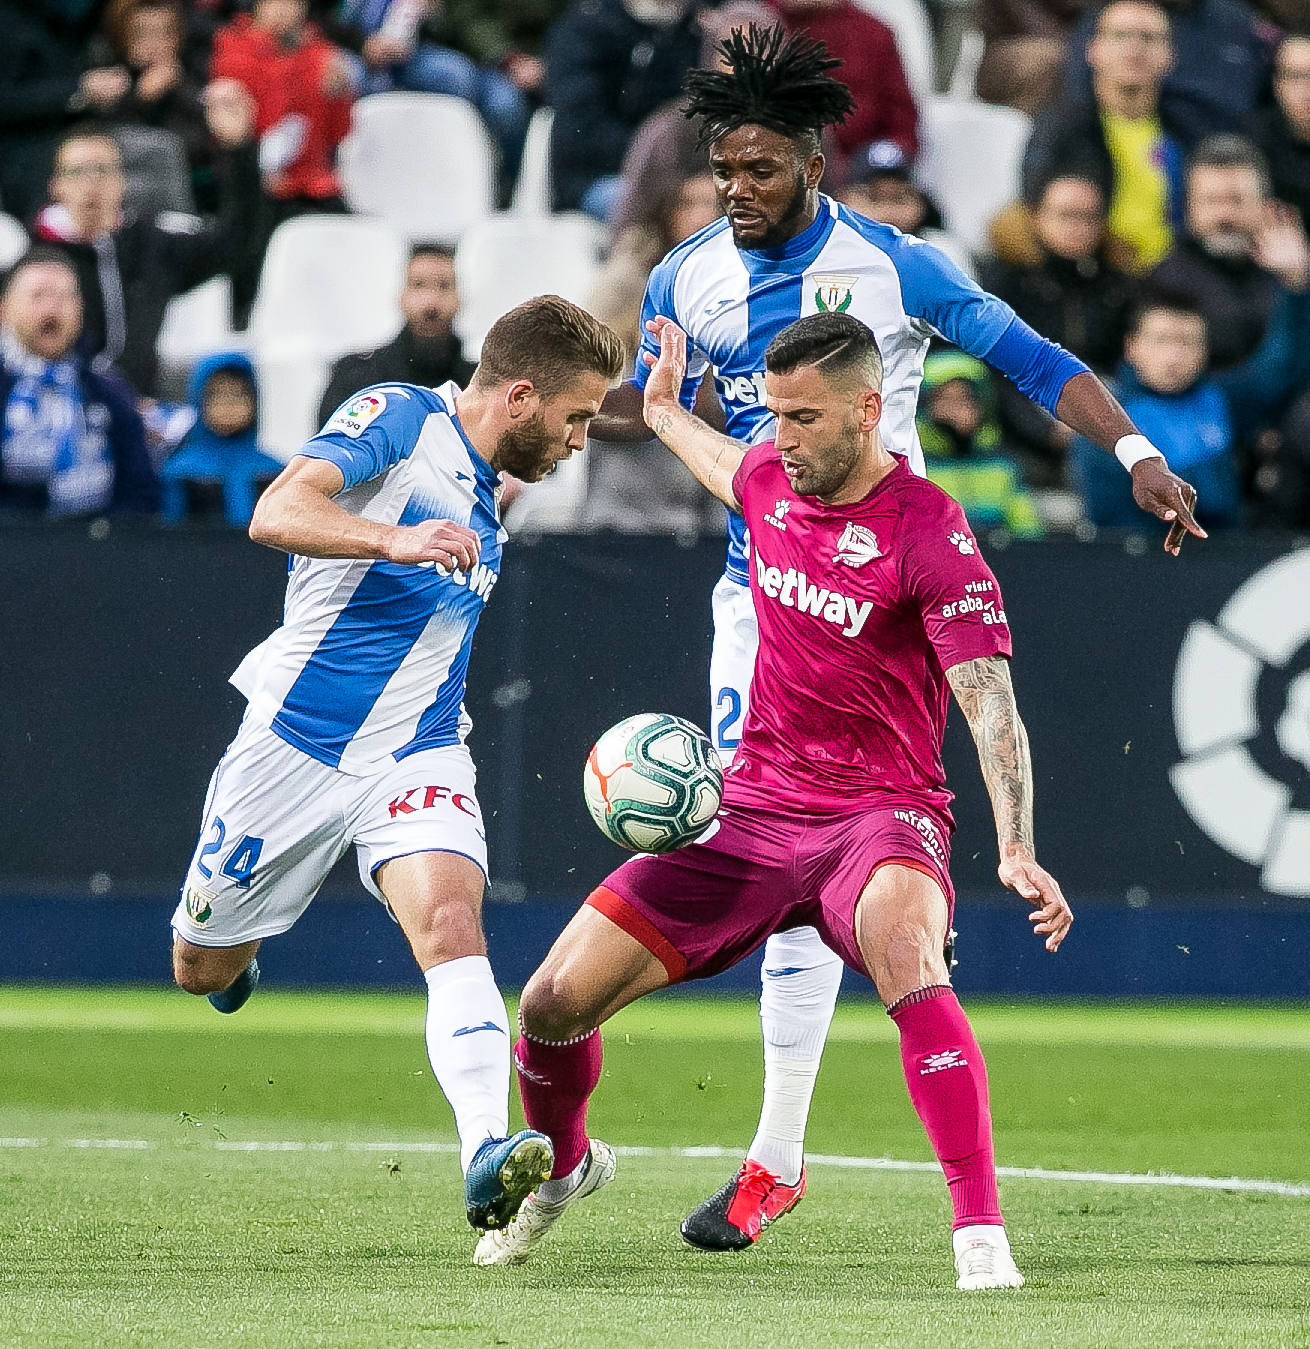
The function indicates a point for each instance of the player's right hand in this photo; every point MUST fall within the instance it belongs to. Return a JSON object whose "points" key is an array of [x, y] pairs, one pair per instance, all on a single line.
{"points": [[1052, 917], [447, 544], [664, 383]]}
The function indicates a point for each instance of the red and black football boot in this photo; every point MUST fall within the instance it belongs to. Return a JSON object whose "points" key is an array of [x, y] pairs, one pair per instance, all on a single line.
{"points": [[734, 1217]]}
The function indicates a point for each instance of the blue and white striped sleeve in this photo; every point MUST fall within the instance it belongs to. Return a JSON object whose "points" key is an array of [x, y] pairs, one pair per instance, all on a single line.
{"points": [[935, 291], [371, 432], [659, 301]]}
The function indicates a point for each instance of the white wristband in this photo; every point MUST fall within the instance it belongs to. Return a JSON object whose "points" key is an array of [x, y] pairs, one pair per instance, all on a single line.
{"points": [[1132, 449]]}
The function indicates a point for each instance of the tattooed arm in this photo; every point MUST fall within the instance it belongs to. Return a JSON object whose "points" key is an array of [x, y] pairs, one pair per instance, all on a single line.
{"points": [[713, 458], [985, 693]]}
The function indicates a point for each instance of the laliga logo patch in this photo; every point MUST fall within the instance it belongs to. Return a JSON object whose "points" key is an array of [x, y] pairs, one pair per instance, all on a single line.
{"points": [[1242, 717], [355, 417], [857, 546]]}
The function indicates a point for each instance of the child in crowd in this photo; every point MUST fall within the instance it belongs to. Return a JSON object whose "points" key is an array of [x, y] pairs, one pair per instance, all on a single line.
{"points": [[219, 470], [962, 447]]}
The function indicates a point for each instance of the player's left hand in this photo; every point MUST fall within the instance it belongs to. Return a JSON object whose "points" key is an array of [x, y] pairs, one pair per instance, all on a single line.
{"points": [[1167, 496], [1052, 916]]}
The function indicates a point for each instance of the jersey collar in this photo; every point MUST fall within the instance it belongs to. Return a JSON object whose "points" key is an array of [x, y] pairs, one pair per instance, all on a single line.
{"points": [[800, 250]]}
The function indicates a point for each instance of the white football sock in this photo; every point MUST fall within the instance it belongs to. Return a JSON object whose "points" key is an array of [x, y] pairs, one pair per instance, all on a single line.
{"points": [[469, 1049], [799, 980]]}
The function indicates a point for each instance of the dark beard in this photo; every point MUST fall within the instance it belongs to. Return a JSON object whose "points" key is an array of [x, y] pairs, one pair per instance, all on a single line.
{"points": [[793, 219], [525, 451]]}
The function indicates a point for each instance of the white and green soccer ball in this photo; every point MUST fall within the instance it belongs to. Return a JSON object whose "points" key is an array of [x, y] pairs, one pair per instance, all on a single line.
{"points": [[653, 782]]}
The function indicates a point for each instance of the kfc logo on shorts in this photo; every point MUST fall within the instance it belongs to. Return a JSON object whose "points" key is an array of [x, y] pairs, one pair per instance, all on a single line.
{"points": [[432, 796]]}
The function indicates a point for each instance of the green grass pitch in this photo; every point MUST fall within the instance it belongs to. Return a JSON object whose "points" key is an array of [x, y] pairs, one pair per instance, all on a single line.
{"points": [[131, 1213]]}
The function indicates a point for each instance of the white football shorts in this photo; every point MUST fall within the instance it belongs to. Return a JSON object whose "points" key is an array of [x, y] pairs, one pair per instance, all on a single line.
{"points": [[732, 663], [276, 822]]}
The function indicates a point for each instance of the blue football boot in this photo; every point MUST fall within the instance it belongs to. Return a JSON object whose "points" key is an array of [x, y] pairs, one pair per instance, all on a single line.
{"points": [[237, 993], [503, 1172]]}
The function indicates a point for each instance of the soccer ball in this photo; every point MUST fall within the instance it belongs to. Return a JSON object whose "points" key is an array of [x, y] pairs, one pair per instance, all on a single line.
{"points": [[653, 782]]}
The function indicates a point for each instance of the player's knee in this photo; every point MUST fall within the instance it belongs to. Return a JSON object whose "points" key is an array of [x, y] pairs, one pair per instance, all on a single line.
{"points": [[911, 958], [551, 1007], [194, 971]]}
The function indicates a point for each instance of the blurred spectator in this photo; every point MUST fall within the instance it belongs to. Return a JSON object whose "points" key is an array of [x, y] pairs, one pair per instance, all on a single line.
{"points": [[1282, 131], [1220, 71], [1196, 419], [1240, 250], [674, 215], [506, 34], [1118, 137], [963, 447], [664, 149], [1025, 42], [642, 488], [45, 87], [426, 350], [398, 54], [1069, 291], [72, 442], [871, 68], [146, 37], [303, 87], [129, 269], [609, 65], [219, 470], [881, 185]]}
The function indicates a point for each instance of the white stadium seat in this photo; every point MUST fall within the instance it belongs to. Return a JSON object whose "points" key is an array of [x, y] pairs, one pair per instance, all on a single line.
{"points": [[331, 284], [510, 258], [13, 241], [198, 323], [532, 191], [424, 162], [908, 20], [970, 162], [291, 382]]}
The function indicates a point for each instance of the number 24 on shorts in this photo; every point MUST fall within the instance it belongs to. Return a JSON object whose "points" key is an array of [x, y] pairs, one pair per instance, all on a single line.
{"points": [[241, 861]]}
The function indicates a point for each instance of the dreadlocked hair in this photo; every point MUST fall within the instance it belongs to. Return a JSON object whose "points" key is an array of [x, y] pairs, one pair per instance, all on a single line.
{"points": [[773, 80]]}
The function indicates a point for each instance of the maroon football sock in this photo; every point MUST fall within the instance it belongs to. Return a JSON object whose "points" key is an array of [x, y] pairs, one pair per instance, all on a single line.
{"points": [[555, 1083], [947, 1081]]}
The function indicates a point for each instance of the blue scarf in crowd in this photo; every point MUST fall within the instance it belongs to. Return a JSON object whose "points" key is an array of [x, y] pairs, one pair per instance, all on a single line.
{"points": [[47, 439]]}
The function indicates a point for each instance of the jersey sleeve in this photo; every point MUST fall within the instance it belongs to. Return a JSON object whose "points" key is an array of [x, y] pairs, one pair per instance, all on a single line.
{"points": [[371, 432], [936, 292], [945, 578], [659, 301], [756, 457]]}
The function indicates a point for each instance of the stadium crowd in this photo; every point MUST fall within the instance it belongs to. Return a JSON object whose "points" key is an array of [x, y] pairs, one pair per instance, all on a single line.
{"points": [[184, 181]]}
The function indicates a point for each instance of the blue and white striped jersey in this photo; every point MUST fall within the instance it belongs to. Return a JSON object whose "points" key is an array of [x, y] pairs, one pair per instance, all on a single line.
{"points": [[733, 302], [370, 661]]}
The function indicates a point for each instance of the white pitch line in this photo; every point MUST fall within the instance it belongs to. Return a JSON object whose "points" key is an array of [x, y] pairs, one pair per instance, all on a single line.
{"points": [[1279, 1187]]}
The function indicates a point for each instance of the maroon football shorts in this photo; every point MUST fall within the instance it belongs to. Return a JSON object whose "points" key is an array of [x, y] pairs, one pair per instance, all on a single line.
{"points": [[704, 907]]}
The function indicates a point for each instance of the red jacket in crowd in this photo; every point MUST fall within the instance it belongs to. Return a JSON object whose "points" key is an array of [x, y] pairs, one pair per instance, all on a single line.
{"points": [[871, 68], [284, 80]]}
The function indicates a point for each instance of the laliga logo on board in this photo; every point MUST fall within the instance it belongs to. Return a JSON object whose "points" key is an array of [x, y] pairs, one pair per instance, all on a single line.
{"points": [[1242, 717]]}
